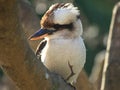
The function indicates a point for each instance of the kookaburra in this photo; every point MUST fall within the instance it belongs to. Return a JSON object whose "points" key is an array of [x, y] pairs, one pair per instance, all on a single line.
{"points": [[62, 51]]}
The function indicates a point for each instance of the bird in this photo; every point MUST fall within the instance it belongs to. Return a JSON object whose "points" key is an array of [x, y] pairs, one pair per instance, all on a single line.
{"points": [[62, 49]]}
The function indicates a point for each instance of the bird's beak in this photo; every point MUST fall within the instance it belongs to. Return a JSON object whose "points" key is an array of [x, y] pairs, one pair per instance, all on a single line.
{"points": [[41, 33]]}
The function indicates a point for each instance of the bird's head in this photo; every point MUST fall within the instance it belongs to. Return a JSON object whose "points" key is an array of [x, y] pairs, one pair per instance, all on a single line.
{"points": [[60, 21]]}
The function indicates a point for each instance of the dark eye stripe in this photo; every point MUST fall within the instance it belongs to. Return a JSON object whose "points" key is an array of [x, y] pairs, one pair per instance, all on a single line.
{"points": [[64, 26], [59, 27]]}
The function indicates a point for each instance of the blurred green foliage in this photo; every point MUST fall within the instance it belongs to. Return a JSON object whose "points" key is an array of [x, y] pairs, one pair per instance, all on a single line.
{"points": [[97, 11]]}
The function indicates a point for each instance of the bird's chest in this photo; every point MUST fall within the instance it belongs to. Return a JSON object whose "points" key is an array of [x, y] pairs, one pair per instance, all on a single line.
{"points": [[58, 53]]}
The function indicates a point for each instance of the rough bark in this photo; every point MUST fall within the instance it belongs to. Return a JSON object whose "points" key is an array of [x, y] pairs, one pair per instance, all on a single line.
{"points": [[111, 72]]}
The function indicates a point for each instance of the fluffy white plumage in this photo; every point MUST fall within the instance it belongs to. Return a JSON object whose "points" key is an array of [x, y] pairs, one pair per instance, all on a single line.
{"points": [[58, 52], [65, 46], [64, 52], [66, 15]]}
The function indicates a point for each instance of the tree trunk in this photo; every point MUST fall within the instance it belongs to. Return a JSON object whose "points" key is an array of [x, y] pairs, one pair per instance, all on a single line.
{"points": [[111, 72], [16, 57]]}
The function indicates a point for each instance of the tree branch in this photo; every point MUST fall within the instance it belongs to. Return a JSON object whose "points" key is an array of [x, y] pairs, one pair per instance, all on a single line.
{"points": [[111, 71], [16, 57]]}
